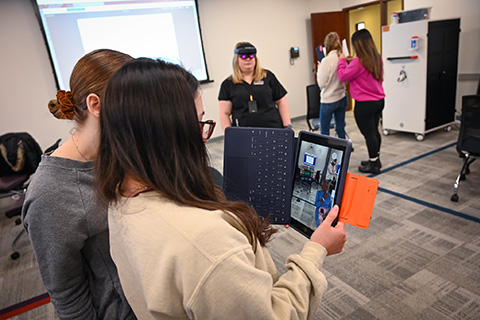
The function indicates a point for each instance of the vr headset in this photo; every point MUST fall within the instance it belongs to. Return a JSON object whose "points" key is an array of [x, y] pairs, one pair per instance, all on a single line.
{"points": [[245, 49]]}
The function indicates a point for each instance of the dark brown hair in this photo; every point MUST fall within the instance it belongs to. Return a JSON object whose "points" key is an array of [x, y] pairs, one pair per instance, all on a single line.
{"points": [[150, 131], [89, 75], [367, 52]]}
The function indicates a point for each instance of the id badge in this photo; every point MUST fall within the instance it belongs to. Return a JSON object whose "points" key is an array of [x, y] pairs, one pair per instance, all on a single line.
{"points": [[252, 106]]}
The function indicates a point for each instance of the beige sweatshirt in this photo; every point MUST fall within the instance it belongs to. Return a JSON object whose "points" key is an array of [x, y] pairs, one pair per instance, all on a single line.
{"points": [[189, 263], [332, 90]]}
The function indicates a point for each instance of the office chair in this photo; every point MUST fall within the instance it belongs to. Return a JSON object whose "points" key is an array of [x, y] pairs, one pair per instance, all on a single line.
{"points": [[13, 183], [313, 107], [13, 186], [468, 143]]}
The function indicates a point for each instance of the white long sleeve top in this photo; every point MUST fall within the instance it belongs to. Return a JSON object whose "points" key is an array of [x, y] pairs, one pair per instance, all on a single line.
{"points": [[180, 262], [332, 90]]}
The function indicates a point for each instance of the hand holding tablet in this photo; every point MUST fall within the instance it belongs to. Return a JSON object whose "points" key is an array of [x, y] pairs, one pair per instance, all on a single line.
{"points": [[320, 51], [331, 238], [319, 177], [321, 181]]}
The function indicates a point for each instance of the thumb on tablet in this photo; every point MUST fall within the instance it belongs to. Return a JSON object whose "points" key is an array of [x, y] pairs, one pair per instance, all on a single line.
{"points": [[331, 238], [332, 214]]}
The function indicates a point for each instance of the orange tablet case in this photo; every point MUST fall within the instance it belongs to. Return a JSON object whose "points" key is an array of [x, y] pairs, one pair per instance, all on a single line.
{"points": [[358, 200]]}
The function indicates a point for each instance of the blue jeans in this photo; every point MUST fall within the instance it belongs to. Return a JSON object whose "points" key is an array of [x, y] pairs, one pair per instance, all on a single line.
{"points": [[338, 110]]}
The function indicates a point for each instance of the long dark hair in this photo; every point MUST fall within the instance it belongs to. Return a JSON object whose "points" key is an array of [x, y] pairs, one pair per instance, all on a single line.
{"points": [[150, 131], [367, 52]]}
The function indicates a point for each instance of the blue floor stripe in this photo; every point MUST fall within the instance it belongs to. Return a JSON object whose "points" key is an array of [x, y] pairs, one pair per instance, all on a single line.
{"points": [[401, 164], [313, 204], [421, 202], [431, 205]]}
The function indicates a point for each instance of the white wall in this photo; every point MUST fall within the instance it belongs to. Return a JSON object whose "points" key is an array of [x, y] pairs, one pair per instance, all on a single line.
{"points": [[273, 26], [26, 77], [27, 82]]}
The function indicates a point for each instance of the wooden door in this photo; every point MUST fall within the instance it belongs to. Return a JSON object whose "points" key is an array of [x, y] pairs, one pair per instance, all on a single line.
{"points": [[323, 24]]}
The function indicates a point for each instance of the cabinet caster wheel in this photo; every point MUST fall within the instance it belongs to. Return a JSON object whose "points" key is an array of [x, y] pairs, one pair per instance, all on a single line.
{"points": [[419, 137], [448, 128], [454, 198], [15, 255], [386, 132]]}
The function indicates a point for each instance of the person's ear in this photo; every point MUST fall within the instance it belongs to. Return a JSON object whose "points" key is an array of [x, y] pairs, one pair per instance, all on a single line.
{"points": [[93, 104]]}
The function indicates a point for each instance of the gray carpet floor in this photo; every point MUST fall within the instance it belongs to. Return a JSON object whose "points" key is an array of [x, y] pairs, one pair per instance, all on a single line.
{"points": [[418, 259]]}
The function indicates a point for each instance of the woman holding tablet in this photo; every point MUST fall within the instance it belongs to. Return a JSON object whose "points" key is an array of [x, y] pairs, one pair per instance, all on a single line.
{"points": [[181, 248]]}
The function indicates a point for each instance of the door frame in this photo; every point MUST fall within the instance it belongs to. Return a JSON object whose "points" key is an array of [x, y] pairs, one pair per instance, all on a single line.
{"points": [[383, 13]]}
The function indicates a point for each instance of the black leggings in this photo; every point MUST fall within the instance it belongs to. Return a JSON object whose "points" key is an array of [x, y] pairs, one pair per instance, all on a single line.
{"points": [[367, 116]]}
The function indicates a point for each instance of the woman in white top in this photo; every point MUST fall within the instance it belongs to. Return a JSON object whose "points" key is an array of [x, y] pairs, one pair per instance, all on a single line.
{"points": [[182, 250], [333, 98]]}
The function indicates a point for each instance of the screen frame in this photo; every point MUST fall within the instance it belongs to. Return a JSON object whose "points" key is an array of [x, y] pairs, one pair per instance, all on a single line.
{"points": [[50, 54], [329, 142], [45, 41]]}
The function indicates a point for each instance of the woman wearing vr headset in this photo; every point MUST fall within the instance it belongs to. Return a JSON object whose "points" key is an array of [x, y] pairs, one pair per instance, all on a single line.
{"points": [[252, 96]]}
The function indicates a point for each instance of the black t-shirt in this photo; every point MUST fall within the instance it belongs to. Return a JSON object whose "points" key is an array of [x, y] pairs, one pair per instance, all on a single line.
{"points": [[265, 92]]}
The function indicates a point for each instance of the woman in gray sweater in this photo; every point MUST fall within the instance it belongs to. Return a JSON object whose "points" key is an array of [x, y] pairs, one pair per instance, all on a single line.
{"points": [[66, 223]]}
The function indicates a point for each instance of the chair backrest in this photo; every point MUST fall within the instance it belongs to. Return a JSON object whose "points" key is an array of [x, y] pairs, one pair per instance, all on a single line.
{"points": [[313, 104], [12, 182], [469, 136]]}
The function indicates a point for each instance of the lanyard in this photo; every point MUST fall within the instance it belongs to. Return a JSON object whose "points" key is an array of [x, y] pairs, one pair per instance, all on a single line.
{"points": [[250, 89]]}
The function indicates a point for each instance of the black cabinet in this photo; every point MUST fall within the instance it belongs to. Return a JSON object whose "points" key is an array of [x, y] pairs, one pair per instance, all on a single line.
{"points": [[442, 70]]}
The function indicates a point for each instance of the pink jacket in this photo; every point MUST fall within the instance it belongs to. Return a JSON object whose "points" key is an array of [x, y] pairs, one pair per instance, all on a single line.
{"points": [[363, 86]]}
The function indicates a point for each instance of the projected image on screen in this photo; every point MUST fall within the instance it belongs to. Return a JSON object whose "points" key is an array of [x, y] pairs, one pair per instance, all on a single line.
{"points": [[126, 34], [167, 30]]}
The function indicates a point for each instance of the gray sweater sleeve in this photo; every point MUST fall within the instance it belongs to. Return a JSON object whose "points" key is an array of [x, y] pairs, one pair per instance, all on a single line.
{"points": [[55, 219]]}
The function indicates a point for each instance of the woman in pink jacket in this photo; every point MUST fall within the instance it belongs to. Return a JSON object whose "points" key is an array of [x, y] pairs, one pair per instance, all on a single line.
{"points": [[365, 73]]}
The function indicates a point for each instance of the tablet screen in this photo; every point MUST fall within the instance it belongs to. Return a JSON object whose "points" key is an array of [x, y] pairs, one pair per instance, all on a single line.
{"points": [[320, 170]]}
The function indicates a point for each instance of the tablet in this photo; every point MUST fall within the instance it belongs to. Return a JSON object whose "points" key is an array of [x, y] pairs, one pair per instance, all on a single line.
{"points": [[320, 51], [321, 166]]}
